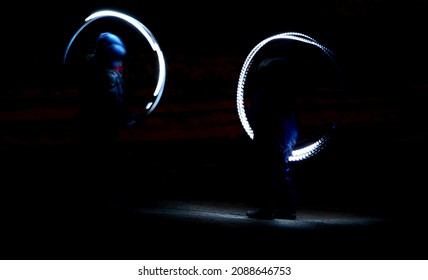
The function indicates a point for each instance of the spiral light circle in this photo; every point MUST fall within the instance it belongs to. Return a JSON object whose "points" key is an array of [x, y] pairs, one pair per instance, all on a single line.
{"points": [[297, 154]]}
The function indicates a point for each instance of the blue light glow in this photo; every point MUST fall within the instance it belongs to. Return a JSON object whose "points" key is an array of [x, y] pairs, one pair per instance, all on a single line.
{"points": [[150, 39]]}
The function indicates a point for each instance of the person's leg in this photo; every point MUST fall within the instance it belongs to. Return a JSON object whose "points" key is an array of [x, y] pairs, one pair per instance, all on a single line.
{"points": [[265, 189], [287, 197], [287, 193]]}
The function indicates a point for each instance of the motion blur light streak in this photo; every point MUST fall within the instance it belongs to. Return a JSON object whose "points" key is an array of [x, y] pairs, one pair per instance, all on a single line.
{"points": [[309, 150], [150, 39], [298, 154]]}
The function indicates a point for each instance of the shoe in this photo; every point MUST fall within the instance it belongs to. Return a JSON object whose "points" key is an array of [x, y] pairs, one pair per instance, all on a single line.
{"points": [[285, 215], [260, 214]]}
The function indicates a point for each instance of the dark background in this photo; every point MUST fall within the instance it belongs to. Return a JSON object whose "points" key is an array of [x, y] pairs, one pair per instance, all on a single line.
{"points": [[386, 36], [193, 145]]}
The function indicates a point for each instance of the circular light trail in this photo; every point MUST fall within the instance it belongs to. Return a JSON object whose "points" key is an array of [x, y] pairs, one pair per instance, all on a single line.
{"points": [[297, 154], [150, 39]]}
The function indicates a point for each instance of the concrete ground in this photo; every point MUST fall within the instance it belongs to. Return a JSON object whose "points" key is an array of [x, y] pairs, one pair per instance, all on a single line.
{"points": [[184, 201], [177, 229]]}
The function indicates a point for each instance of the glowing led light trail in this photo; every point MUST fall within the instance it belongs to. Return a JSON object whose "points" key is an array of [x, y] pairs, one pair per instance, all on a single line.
{"points": [[150, 39], [297, 154]]}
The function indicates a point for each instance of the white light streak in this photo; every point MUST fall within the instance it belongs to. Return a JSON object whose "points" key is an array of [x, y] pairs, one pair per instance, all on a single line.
{"points": [[299, 154], [150, 39]]}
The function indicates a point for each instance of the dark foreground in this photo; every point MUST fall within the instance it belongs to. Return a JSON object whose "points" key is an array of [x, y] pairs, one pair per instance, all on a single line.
{"points": [[187, 200]]}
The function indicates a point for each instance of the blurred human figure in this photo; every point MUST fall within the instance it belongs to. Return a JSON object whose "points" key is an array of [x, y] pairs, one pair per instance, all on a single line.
{"points": [[275, 126], [103, 112], [103, 109]]}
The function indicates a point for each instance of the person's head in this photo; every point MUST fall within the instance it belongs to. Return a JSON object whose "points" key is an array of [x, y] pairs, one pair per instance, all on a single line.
{"points": [[279, 82], [279, 73], [110, 50]]}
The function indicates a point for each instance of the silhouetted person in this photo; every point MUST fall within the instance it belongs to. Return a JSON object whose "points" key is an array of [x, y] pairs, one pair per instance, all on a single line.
{"points": [[103, 112], [274, 122]]}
